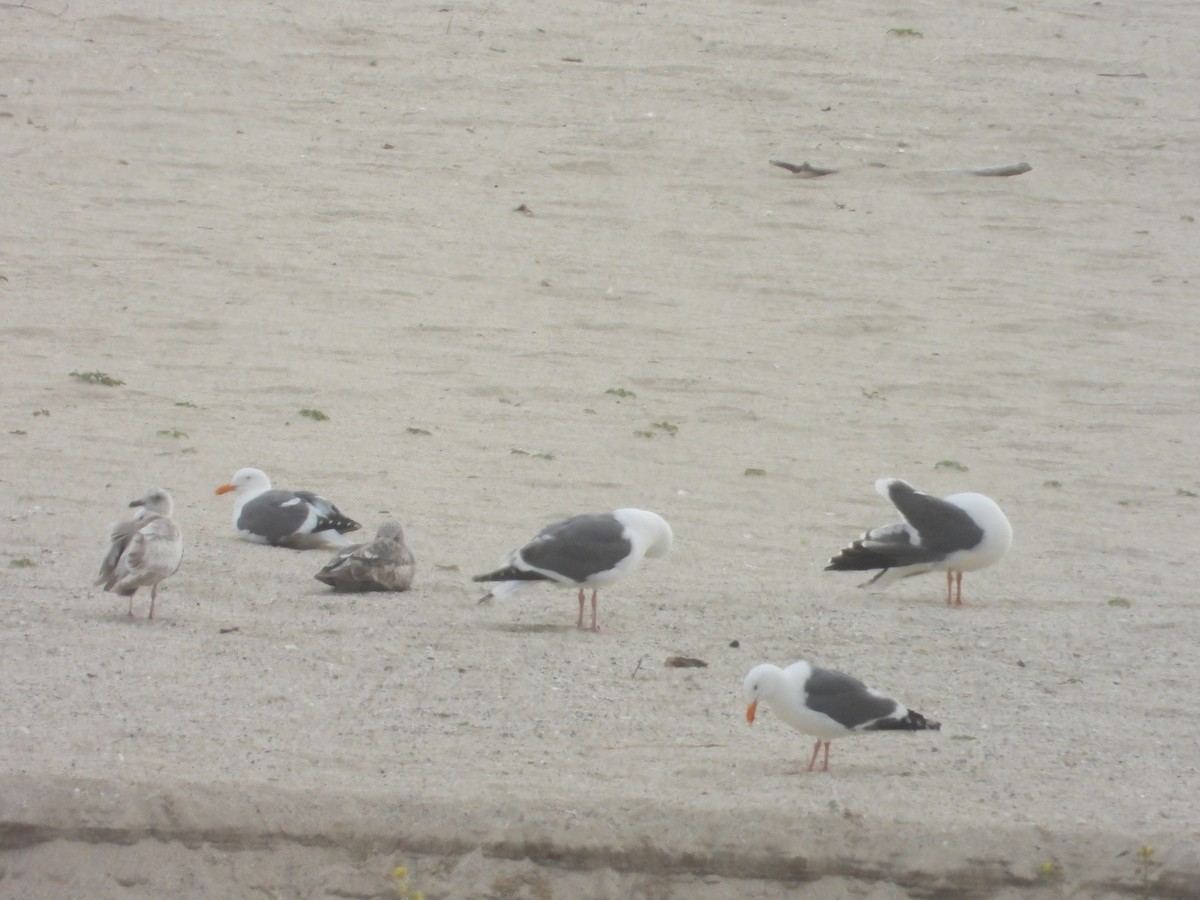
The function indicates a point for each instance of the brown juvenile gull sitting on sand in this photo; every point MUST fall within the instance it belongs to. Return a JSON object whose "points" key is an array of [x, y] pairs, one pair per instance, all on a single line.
{"points": [[385, 564], [143, 551], [589, 550], [960, 533], [297, 519], [826, 704]]}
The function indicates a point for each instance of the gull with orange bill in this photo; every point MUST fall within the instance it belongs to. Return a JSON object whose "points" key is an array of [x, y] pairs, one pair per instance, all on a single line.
{"points": [[301, 520], [826, 704]]}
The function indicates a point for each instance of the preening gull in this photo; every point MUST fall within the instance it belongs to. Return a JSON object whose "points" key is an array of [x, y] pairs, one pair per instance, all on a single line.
{"points": [[960, 533], [143, 551], [826, 704], [590, 550], [297, 519], [385, 564]]}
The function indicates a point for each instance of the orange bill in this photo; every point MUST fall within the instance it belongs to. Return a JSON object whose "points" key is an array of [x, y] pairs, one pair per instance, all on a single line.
{"points": [[750, 711], [226, 488]]}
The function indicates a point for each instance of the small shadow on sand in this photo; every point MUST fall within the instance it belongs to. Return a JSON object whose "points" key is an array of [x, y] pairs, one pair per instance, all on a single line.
{"points": [[532, 629]]}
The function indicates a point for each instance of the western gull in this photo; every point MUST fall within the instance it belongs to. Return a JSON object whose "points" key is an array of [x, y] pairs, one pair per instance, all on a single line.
{"points": [[589, 550], [385, 564], [956, 534], [297, 519], [826, 704], [144, 550]]}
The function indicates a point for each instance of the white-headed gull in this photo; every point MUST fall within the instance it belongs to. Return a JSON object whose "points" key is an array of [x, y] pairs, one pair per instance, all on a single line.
{"points": [[298, 519], [955, 534], [826, 704], [590, 550]]}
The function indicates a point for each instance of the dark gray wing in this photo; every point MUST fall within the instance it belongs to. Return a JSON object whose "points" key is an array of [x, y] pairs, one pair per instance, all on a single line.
{"points": [[883, 548], [274, 515], [578, 547], [943, 527], [844, 699]]}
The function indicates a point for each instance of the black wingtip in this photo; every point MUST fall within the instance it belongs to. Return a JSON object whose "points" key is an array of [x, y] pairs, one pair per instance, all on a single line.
{"points": [[913, 721], [857, 558]]}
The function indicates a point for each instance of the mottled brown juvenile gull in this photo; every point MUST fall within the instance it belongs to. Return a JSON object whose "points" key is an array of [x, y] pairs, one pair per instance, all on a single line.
{"points": [[143, 551], [297, 519], [385, 564], [826, 704], [590, 550], [956, 534]]}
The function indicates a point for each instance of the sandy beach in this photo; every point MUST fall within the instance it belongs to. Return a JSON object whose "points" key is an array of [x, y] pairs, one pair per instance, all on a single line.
{"points": [[529, 260]]}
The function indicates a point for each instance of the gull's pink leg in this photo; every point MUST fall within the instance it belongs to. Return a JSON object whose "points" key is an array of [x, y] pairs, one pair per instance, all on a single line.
{"points": [[153, 597], [949, 582], [825, 764], [958, 588], [131, 604], [579, 621], [595, 626], [816, 749]]}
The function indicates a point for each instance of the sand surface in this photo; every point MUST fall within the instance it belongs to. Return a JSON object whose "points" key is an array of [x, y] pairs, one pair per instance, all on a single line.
{"points": [[508, 249]]}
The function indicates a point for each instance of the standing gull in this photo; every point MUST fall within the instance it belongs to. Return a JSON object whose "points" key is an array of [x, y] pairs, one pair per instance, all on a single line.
{"points": [[826, 704], [960, 533], [589, 550], [385, 564], [297, 519], [143, 551]]}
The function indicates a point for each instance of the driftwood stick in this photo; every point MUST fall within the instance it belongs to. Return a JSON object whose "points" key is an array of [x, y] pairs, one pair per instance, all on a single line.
{"points": [[1003, 171], [804, 170]]}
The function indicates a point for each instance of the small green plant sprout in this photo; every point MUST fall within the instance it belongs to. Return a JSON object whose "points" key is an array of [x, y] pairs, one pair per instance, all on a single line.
{"points": [[1049, 871], [755, 473], [315, 414], [646, 434], [172, 433], [21, 562], [962, 737], [952, 464], [97, 378], [18, 432], [1179, 492], [1145, 864], [905, 32], [1052, 484], [442, 568], [620, 392], [41, 412], [186, 403], [1120, 602], [401, 886], [412, 429], [666, 427]]}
